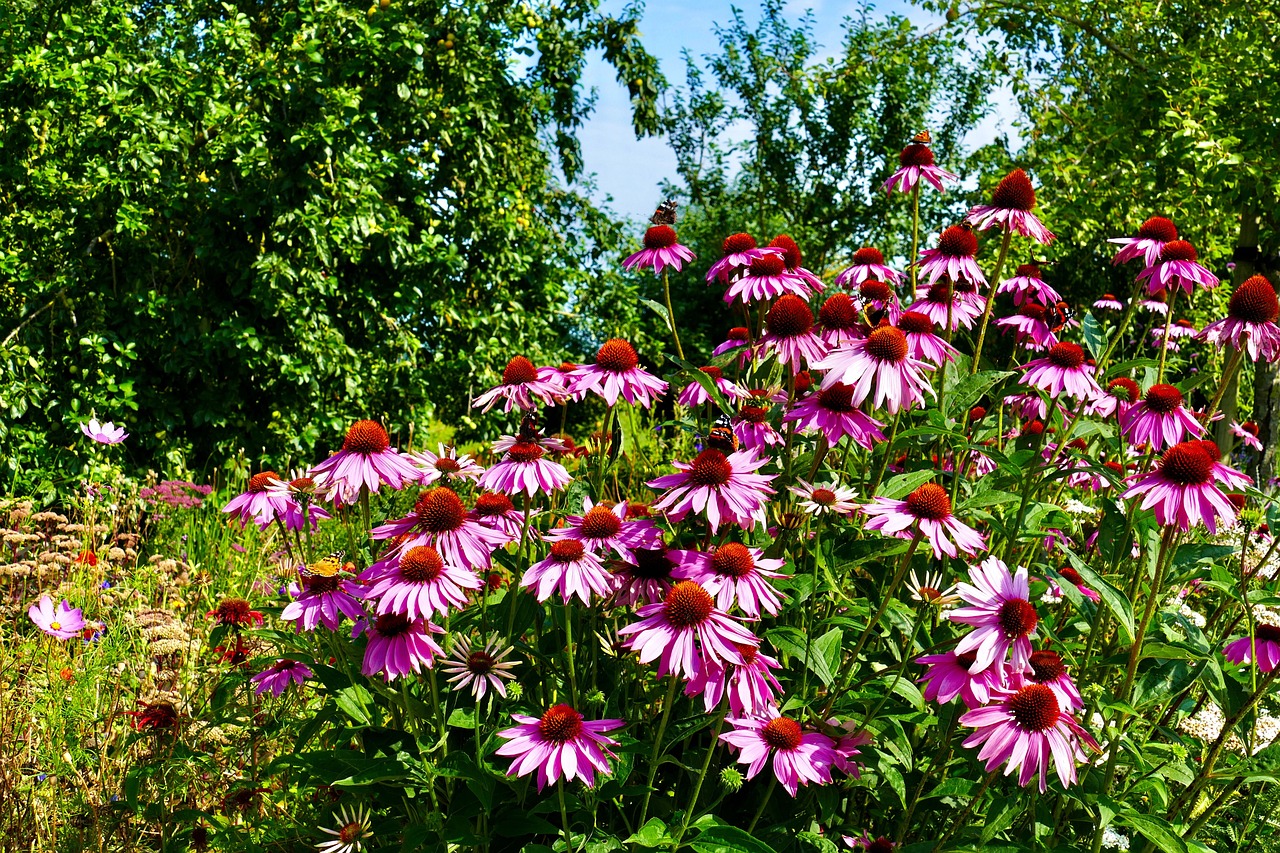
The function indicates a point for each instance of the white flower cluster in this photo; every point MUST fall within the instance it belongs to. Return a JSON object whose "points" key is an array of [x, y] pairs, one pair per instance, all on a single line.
{"points": [[1178, 604], [1113, 839]]}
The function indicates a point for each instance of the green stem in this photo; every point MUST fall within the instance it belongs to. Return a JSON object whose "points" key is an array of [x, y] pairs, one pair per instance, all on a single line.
{"points": [[773, 783], [1129, 311], [702, 775], [564, 817], [968, 810], [1164, 342], [568, 644], [1233, 364], [657, 749], [915, 237], [884, 462], [671, 315], [991, 299]]}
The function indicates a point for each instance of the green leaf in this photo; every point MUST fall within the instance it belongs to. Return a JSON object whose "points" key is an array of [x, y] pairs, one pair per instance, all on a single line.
{"points": [[1094, 339], [904, 484], [652, 834], [1156, 830], [970, 389], [660, 310], [1117, 602], [728, 839], [792, 642]]}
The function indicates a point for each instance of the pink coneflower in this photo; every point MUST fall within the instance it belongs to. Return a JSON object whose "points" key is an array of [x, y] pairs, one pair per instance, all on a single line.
{"points": [[1119, 394], [924, 344], [838, 318], [1027, 728], [1182, 488], [63, 622], [1026, 284], [948, 676], [235, 613], [602, 528], [523, 386], [916, 162], [1032, 326], [794, 260], [444, 465], [942, 302], [1263, 646], [695, 395], [831, 411], [736, 338], [740, 252], [480, 668], [1250, 323], [366, 461], [1177, 268], [1062, 371], [752, 427], [1076, 580], [646, 579], [1001, 613], [496, 511], [767, 278], [789, 334], [751, 685], [1012, 201], [868, 265], [570, 569], [278, 677], [1159, 341], [881, 362], [869, 844], [616, 373], [1248, 433], [398, 645], [1159, 419], [660, 251], [931, 591], [1156, 303], [879, 301], [524, 468], [418, 582], [829, 500], [103, 433], [684, 631], [798, 757], [440, 520], [1108, 303], [1182, 329], [1152, 235], [300, 494], [258, 503], [322, 599], [1046, 667], [954, 257], [929, 507], [846, 743], [733, 574], [561, 743], [726, 488]]}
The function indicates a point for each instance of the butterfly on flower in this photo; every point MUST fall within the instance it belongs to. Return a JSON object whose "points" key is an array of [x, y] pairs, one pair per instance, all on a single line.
{"points": [[330, 566], [1060, 315], [922, 138], [721, 436], [530, 429], [665, 214]]}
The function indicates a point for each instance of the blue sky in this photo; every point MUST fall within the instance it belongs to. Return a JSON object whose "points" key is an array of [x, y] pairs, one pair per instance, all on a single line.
{"points": [[629, 170]]}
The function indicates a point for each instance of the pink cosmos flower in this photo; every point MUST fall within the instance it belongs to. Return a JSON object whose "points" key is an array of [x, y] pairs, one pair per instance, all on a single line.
{"points": [[1012, 201], [914, 163], [829, 500], [561, 743], [929, 508], [1250, 323], [496, 511], [798, 757], [103, 433], [695, 395], [832, 412], [954, 257], [1046, 667], [322, 599], [417, 581], [647, 578], [934, 305], [1152, 235], [923, 343], [440, 520], [570, 569], [524, 469], [481, 668], [868, 264], [1032, 326], [63, 622], [767, 278], [1182, 488], [685, 631], [879, 362], [1001, 613], [523, 386], [398, 645], [740, 251], [660, 251], [602, 528], [1263, 646], [1062, 371], [1248, 433], [1109, 303], [258, 503], [444, 465], [733, 574], [366, 461], [1177, 267], [948, 676], [1159, 419], [751, 686], [725, 488], [280, 675], [1026, 284], [1025, 729], [616, 373], [789, 334]]}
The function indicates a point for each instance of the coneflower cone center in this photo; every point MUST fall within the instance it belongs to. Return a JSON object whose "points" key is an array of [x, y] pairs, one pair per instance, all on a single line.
{"points": [[366, 437], [567, 551], [1124, 388], [1046, 666], [868, 255], [1028, 271], [560, 724], [617, 356], [738, 333], [781, 733], [1014, 192], [652, 564], [880, 845], [493, 503], [445, 465], [350, 832], [1178, 250], [929, 501], [823, 497], [480, 663], [660, 237], [768, 265], [732, 560], [525, 451], [258, 482], [421, 564], [713, 372], [687, 604], [915, 323], [977, 413], [958, 242], [1254, 301], [439, 510], [838, 312], [749, 653], [600, 523], [710, 468], [1066, 355], [736, 244], [319, 584], [1035, 707], [887, 344], [518, 371], [875, 290], [1163, 399], [754, 414], [234, 611], [838, 398], [790, 250], [1018, 618], [916, 154], [1187, 464], [1071, 575], [1251, 428], [1034, 311], [1158, 228], [392, 624], [790, 316], [939, 294], [1268, 633]]}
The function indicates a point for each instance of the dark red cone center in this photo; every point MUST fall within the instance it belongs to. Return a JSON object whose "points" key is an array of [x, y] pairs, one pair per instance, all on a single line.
{"points": [[659, 237], [617, 356], [958, 242], [1163, 399], [789, 317], [687, 605], [258, 482], [1066, 355], [915, 323], [1254, 301], [929, 501], [421, 564], [838, 398], [710, 468], [868, 255], [567, 551], [600, 523], [732, 560], [768, 265], [1178, 250], [781, 733], [1014, 192], [560, 724], [1018, 618], [838, 312], [1035, 707], [887, 344], [366, 437], [1158, 228], [916, 154], [736, 244], [1187, 464], [1046, 665], [519, 371], [439, 510]]}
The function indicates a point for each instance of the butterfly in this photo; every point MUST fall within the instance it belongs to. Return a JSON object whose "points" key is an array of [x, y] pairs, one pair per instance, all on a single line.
{"points": [[1061, 314], [328, 567], [665, 214], [529, 428], [721, 436], [922, 138]]}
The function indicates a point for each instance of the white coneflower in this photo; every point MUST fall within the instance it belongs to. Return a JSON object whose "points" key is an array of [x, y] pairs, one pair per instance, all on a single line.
{"points": [[830, 499], [479, 668], [930, 591], [350, 835]]}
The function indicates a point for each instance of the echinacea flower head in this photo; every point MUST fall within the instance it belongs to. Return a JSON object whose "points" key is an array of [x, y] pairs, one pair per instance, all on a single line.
{"points": [[929, 509], [616, 373], [947, 676], [1026, 729], [1177, 268], [235, 612], [1120, 393], [1046, 667], [1263, 646], [1108, 303], [605, 528], [868, 263], [1062, 371], [1250, 323], [916, 162], [832, 412], [789, 334], [496, 511], [766, 279], [570, 570], [839, 321], [1248, 433], [259, 503], [942, 303], [794, 260], [322, 597], [1152, 235], [160, 717], [752, 427], [103, 433], [1183, 489], [954, 257], [865, 842], [1012, 201], [523, 387], [879, 301], [646, 578], [751, 686], [1032, 325], [280, 675], [739, 252], [661, 250], [725, 488], [831, 499], [696, 395], [734, 575], [366, 461], [353, 829], [736, 338], [799, 757], [440, 520], [398, 645], [525, 468], [418, 582], [924, 344], [1156, 303], [931, 591], [880, 362], [63, 622], [1001, 613], [560, 743], [444, 466], [684, 631], [1160, 419], [1026, 284], [1071, 575], [480, 668]]}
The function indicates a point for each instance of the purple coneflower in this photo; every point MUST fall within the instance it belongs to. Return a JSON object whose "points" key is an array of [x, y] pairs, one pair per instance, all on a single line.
{"points": [[752, 427], [602, 528], [445, 465], [879, 301], [1012, 201], [831, 412], [941, 303], [1182, 488], [1062, 371], [1250, 323], [1026, 284], [869, 844], [561, 743], [1001, 614], [684, 631], [1152, 235], [737, 338], [1071, 575], [1119, 394], [928, 507], [322, 599], [868, 265], [831, 499], [1108, 303], [63, 622], [440, 520], [798, 757], [259, 503], [366, 461], [660, 251], [417, 581], [523, 386], [570, 569], [916, 162], [1263, 646], [616, 373], [751, 685], [954, 257], [881, 362], [103, 433], [1031, 324], [300, 494], [496, 511], [733, 574], [398, 645], [646, 579], [1182, 329], [794, 260], [924, 344], [235, 613], [726, 488], [767, 278], [739, 252], [1248, 433], [280, 675], [948, 676], [524, 468], [481, 668], [1046, 667], [1159, 419], [695, 395], [1177, 268], [1156, 303], [789, 334]]}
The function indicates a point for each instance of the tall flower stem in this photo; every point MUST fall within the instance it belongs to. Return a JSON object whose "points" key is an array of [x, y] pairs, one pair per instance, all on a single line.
{"points": [[702, 775], [564, 816], [671, 315], [915, 237], [657, 749], [991, 298], [1233, 364], [568, 646], [1168, 547], [1125, 320], [968, 810], [768, 795], [1164, 341], [884, 461]]}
